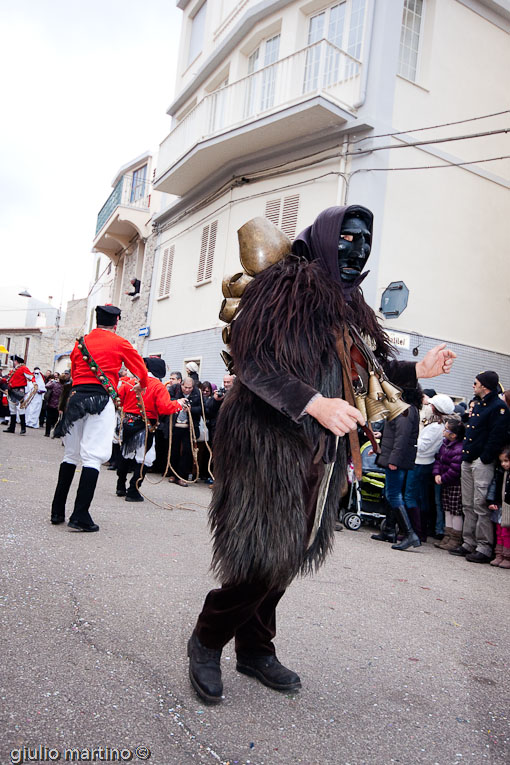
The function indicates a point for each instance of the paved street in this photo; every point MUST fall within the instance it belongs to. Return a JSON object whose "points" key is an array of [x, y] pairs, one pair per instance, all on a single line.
{"points": [[404, 657]]}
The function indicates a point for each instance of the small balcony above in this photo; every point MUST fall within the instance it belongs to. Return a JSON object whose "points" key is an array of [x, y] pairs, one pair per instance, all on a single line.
{"points": [[124, 215], [311, 92]]}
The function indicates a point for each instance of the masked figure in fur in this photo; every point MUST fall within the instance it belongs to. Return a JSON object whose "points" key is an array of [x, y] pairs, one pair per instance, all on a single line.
{"points": [[284, 436]]}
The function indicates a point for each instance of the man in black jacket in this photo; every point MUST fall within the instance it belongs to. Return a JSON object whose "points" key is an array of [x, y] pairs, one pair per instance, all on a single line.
{"points": [[486, 432], [181, 453]]}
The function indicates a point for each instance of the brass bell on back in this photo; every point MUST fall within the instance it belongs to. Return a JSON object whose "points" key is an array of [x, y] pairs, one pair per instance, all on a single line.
{"points": [[229, 309], [361, 406], [376, 410], [234, 286], [375, 391], [261, 244]]}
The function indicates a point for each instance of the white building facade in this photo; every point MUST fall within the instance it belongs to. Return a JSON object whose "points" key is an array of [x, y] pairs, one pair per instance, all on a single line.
{"points": [[286, 107]]}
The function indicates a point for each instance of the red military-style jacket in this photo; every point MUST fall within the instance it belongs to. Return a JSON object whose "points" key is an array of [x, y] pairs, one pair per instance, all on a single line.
{"points": [[18, 377], [109, 351], [156, 398]]}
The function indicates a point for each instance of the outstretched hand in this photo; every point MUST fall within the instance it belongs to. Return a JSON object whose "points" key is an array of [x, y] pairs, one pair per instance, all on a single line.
{"points": [[437, 361], [335, 414]]}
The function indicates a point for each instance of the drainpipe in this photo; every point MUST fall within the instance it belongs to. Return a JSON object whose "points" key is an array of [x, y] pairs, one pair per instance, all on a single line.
{"points": [[364, 73]]}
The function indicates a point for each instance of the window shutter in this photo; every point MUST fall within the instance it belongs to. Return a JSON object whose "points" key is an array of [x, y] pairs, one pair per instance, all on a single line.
{"points": [[289, 215], [205, 263], [203, 254], [166, 271], [273, 211], [287, 222], [210, 251]]}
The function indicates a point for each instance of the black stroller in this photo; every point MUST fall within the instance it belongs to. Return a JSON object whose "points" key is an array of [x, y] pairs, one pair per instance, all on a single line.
{"points": [[365, 501]]}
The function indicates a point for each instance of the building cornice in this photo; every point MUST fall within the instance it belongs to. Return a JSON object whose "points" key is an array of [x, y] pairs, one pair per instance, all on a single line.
{"points": [[495, 11]]}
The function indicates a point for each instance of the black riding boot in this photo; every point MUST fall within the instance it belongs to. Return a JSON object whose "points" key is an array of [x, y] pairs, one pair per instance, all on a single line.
{"points": [[389, 532], [12, 426], [23, 425], [133, 495], [116, 457], [65, 479], [80, 520], [410, 537]]}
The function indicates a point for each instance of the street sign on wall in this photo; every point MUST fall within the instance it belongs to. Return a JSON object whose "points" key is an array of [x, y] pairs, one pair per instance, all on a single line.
{"points": [[144, 332]]}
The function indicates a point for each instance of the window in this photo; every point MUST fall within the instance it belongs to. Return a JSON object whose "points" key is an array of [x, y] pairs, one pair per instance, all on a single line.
{"points": [[262, 84], [205, 263], [342, 25], [197, 33], [284, 216], [138, 184], [218, 104], [410, 39], [166, 271]]}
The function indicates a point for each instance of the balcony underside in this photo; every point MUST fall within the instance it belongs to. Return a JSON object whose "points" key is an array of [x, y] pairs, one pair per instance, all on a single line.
{"points": [[123, 226], [280, 132]]}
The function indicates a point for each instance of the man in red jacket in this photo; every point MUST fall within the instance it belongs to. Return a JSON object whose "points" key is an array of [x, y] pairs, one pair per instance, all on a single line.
{"points": [[17, 381], [137, 454], [88, 423]]}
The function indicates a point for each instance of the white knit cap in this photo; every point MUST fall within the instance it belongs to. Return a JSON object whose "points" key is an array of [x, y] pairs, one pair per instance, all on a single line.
{"points": [[442, 403], [192, 367]]}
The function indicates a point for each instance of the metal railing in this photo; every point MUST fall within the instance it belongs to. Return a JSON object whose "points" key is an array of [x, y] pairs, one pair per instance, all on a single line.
{"points": [[124, 194], [318, 68]]}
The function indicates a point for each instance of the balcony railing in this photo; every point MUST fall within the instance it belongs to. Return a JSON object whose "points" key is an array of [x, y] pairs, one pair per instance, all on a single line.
{"points": [[319, 68], [125, 194]]}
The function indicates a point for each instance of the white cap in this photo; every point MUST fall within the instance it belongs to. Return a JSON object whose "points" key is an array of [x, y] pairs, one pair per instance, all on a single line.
{"points": [[442, 403]]}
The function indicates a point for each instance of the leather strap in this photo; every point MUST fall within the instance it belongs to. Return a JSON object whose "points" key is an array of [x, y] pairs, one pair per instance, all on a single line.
{"points": [[343, 345]]}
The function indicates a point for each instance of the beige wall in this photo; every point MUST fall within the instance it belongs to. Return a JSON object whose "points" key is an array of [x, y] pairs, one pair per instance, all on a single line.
{"points": [[189, 307]]}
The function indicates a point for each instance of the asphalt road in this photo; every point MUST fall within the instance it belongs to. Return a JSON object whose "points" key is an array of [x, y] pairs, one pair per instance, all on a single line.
{"points": [[404, 657]]}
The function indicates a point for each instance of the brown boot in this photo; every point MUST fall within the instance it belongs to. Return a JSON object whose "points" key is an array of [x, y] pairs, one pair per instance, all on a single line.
{"points": [[454, 541], [498, 560], [444, 541], [506, 558]]}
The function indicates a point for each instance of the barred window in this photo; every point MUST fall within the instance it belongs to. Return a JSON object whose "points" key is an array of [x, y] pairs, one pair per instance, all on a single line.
{"points": [[205, 263], [165, 278]]}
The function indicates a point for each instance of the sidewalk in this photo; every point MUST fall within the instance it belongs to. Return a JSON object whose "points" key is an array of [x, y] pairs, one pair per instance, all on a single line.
{"points": [[403, 656]]}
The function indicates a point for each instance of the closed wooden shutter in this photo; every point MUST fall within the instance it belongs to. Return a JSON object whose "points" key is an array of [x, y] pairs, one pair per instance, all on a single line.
{"points": [[285, 217], [207, 247], [165, 279]]}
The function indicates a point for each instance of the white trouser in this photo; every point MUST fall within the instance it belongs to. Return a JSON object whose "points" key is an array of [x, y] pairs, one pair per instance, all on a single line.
{"points": [[33, 411], [14, 407], [137, 454], [90, 438]]}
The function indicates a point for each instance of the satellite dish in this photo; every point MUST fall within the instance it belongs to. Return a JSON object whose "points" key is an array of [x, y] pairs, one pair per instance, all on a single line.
{"points": [[25, 293]]}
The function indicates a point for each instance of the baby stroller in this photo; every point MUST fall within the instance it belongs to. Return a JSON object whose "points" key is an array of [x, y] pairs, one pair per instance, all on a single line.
{"points": [[365, 501]]}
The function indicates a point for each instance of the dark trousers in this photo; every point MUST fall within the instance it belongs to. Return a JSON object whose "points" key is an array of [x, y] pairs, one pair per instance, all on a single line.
{"points": [[247, 611], [181, 456], [51, 419]]}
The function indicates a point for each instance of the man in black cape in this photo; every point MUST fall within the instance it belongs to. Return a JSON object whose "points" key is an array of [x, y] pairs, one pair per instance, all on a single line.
{"points": [[284, 436]]}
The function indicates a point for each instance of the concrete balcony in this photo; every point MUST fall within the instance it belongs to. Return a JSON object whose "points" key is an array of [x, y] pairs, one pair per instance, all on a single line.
{"points": [[124, 214], [311, 92]]}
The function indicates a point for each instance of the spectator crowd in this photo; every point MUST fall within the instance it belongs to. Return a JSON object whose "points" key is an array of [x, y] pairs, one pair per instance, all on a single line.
{"points": [[445, 464]]}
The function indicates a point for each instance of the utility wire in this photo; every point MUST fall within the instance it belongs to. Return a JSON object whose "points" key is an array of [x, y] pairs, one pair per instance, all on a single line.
{"points": [[430, 127], [428, 142]]}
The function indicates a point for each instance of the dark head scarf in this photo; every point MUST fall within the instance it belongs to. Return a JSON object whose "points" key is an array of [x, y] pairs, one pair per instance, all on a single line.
{"points": [[320, 240]]}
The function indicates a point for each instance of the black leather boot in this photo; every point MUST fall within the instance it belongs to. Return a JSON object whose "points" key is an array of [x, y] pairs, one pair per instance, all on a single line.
{"points": [[269, 671], [12, 425], [410, 537], [205, 670], [65, 479], [389, 532], [23, 425], [80, 520], [132, 494], [122, 471]]}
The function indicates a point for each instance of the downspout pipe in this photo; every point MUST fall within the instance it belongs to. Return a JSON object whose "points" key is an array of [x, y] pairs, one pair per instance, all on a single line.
{"points": [[364, 73]]}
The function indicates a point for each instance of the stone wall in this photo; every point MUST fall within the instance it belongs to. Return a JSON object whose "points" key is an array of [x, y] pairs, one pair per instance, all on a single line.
{"points": [[134, 309]]}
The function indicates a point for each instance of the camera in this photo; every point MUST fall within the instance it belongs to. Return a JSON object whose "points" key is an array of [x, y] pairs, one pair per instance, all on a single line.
{"points": [[221, 392]]}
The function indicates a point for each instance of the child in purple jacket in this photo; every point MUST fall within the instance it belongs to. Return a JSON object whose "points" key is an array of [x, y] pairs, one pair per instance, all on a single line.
{"points": [[446, 472]]}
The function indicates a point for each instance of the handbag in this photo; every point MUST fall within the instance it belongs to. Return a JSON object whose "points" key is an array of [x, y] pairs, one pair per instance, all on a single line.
{"points": [[203, 433]]}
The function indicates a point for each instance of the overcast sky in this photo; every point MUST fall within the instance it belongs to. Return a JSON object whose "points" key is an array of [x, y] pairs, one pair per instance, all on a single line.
{"points": [[85, 89]]}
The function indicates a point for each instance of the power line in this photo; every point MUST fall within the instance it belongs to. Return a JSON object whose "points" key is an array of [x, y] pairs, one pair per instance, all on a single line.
{"points": [[408, 145], [430, 127]]}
